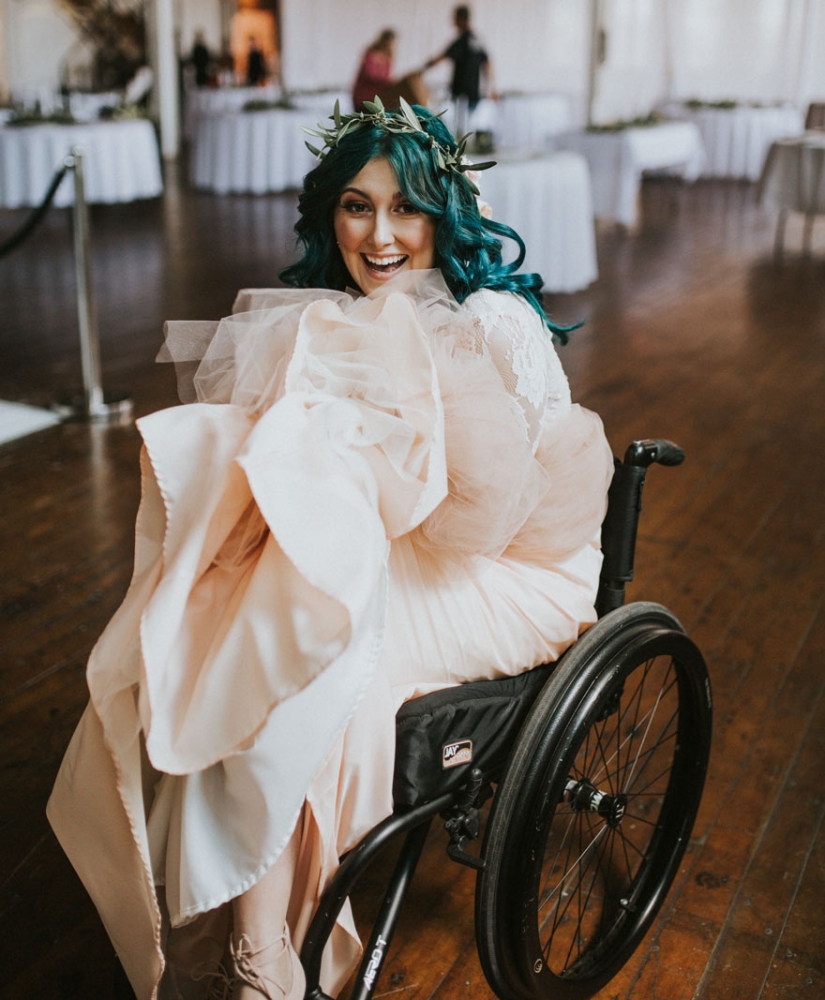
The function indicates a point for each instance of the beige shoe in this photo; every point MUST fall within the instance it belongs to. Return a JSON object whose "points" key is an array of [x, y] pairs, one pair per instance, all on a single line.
{"points": [[221, 984], [248, 968]]}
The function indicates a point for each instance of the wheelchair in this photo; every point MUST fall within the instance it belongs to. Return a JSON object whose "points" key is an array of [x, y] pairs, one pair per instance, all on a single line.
{"points": [[598, 762]]}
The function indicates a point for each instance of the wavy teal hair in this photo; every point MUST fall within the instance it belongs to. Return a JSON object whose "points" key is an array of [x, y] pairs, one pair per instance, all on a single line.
{"points": [[468, 250]]}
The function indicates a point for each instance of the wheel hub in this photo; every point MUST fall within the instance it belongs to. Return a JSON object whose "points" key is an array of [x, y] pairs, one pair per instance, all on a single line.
{"points": [[583, 796]]}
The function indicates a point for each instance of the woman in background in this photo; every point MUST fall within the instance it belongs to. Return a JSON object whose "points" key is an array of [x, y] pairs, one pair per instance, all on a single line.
{"points": [[375, 72]]}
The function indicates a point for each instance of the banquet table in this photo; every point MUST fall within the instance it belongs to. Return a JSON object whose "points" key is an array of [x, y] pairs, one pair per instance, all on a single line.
{"points": [[209, 101], [530, 121], [793, 180], [618, 159], [121, 162], [737, 139], [252, 152], [87, 107], [517, 121], [547, 200]]}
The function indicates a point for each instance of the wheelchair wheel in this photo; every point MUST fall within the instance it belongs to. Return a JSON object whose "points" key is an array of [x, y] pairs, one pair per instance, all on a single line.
{"points": [[594, 811]]}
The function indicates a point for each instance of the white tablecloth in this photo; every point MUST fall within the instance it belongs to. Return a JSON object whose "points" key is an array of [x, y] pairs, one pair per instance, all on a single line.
{"points": [[618, 159], [737, 139], [548, 202], [207, 101], [793, 178], [530, 121], [517, 121], [121, 162], [86, 107], [210, 101], [252, 151]]}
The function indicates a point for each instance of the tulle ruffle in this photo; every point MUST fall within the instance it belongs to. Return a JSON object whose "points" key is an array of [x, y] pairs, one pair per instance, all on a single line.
{"points": [[242, 359]]}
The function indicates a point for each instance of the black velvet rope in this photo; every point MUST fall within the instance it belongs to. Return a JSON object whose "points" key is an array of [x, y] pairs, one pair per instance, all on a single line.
{"points": [[28, 226]]}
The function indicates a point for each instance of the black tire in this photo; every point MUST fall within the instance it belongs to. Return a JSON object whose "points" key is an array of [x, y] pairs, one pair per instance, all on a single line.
{"points": [[595, 809]]}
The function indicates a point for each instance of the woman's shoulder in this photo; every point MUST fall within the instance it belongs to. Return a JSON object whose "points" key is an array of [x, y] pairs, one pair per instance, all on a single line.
{"points": [[513, 330], [491, 308]]}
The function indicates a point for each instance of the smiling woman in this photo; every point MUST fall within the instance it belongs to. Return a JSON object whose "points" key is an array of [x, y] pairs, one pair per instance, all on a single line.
{"points": [[381, 490]]}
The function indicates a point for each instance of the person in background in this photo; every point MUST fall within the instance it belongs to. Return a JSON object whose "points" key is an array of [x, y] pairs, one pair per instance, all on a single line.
{"points": [[470, 61], [255, 66], [201, 60], [375, 71]]}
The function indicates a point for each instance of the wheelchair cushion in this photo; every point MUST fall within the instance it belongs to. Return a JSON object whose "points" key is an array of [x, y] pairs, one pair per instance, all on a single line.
{"points": [[441, 736]]}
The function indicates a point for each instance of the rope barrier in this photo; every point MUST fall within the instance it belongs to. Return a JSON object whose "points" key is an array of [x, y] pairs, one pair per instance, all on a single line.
{"points": [[37, 215]]}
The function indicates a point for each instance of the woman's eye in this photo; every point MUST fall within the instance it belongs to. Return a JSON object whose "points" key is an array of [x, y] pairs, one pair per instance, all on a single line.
{"points": [[355, 207], [405, 208]]}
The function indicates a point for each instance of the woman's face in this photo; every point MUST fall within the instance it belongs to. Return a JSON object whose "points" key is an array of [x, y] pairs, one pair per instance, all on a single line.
{"points": [[378, 231]]}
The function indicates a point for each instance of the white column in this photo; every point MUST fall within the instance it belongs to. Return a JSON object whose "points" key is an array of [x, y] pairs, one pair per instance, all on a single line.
{"points": [[4, 43], [165, 68], [597, 53]]}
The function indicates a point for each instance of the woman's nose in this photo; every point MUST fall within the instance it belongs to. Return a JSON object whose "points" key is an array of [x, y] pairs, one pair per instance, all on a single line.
{"points": [[382, 232]]}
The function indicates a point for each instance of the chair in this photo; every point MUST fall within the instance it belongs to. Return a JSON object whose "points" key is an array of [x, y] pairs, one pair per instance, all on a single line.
{"points": [[815, 117], [599, 762]]}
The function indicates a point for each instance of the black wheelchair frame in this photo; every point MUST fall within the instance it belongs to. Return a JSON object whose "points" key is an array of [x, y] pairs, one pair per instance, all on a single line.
{"points": [[599, 761]]}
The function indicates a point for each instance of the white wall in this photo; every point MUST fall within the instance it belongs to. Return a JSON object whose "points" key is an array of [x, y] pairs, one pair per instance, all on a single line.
{"points": [[199, 15], [37, 36]]}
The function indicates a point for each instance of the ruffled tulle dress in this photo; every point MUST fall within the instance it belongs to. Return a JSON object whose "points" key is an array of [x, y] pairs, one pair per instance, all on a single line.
{"points": [[362, 499]]}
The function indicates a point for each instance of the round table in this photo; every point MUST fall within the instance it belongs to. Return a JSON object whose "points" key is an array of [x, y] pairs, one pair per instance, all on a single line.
{"points": [[618, 159], [121, 162], [252, 152], [531, 120], [517, 121], [793, 180], [547, 200], [737, 139], [209, 101]]}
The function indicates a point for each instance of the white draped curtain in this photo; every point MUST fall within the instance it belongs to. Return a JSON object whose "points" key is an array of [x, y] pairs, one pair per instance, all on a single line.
{"points": [[535, 45], [742, 50], [745, 50]]}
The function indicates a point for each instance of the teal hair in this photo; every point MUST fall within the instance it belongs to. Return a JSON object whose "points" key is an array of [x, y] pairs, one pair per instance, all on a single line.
{"points": [[468, 247]]}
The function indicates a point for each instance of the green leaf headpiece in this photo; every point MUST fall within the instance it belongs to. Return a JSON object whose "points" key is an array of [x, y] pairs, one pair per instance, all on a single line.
{"points": [[407, 122]]}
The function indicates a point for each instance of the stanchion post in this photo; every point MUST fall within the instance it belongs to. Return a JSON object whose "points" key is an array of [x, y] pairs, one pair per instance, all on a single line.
{"points": [[86, 314], [95, 406]]}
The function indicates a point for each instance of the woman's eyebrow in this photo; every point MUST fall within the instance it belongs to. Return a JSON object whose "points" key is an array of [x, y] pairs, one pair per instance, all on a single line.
{"points": [[397, 196]]}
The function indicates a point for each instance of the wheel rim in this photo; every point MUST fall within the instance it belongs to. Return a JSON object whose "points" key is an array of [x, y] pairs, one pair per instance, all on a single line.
{"points": [[608, 845]]}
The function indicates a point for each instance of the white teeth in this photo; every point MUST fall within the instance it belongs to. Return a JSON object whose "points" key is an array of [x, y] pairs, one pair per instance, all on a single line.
{"points": [[385, 261]]}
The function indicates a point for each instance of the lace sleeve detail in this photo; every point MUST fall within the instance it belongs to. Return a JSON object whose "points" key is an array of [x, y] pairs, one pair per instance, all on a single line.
{"points": [[505, 327]]}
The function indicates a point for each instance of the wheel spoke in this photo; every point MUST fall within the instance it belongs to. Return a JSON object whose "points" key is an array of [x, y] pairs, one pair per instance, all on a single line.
{"points": [[649, 720]]}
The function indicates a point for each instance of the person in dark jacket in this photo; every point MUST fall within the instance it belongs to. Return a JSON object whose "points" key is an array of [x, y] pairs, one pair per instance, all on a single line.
{"points": [[470, 61]]}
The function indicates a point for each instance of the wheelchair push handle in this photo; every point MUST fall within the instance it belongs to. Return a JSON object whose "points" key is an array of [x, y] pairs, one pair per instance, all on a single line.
{"points": [[624, 505], [646, 452]]}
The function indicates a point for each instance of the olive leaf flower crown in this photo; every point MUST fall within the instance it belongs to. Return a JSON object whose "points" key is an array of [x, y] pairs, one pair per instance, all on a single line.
{"points": [[451, 161]]}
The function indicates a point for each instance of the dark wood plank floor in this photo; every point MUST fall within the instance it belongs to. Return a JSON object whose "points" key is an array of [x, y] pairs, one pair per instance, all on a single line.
{"points": [[693, 332]]}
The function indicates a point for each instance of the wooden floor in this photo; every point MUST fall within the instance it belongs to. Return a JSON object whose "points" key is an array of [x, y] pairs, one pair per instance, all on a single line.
{"points": [[693, 332]]}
